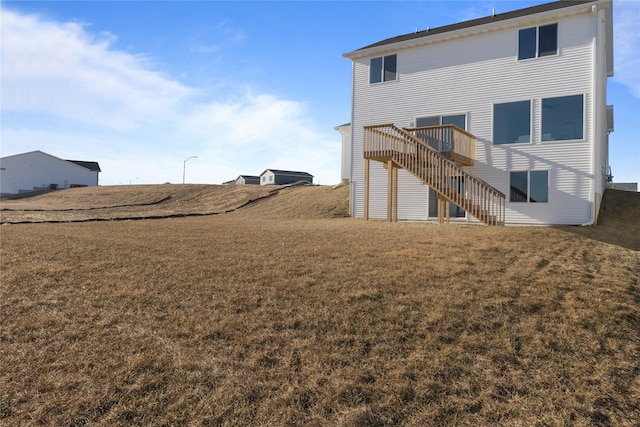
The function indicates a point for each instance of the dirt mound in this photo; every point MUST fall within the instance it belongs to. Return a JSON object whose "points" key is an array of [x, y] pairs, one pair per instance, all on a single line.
{"points": [[618, 221], [164, 201]]}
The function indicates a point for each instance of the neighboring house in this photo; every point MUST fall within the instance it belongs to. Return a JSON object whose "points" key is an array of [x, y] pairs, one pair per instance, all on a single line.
{"points": [[231, 182], [280, 177], [36, 170], [345, 169], [247, 179], [501, 119]]}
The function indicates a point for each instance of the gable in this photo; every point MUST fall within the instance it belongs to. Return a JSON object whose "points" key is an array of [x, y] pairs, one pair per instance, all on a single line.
{"points": [[92, 166]]}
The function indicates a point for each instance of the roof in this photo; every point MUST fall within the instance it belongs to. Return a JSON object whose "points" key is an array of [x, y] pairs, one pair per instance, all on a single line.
{"points": [[92, 166], [249, 176], [289, 173], [474, 23]]}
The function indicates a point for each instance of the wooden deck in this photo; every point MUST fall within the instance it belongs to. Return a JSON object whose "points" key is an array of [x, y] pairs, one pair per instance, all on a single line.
{"points": [[418, 151]]}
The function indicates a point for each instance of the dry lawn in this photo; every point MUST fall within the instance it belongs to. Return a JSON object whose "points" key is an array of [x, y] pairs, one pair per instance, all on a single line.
{"points": [[250, 318]]}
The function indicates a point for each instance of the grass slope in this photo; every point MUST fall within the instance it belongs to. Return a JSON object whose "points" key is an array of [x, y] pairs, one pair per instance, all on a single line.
{"points": [[255, 318], [165, 201]]}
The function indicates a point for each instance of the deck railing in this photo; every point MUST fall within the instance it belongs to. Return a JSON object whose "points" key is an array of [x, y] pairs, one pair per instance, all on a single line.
{"points": [[389, 143]]}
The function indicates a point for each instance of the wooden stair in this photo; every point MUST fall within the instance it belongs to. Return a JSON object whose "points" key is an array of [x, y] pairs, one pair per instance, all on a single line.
{"points": [[403, 148]]}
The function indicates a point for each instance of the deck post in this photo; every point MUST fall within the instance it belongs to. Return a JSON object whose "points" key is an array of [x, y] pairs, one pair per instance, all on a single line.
{"points": [[390, 191], [395, 194], [366, 189]]}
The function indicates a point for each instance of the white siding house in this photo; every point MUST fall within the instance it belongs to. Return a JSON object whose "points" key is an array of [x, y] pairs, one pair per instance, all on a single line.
{"points": [[529, 86], [36, 170]]}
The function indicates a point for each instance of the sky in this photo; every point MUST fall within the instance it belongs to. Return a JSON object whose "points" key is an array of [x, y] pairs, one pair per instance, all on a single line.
{"points": [[142, 86]]}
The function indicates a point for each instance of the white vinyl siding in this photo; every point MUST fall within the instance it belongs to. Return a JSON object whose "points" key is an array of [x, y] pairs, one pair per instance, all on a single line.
{"points": [[472, 74]]}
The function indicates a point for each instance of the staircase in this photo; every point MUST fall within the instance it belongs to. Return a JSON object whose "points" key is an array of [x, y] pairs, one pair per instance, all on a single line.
{"points": [[432, 155]]}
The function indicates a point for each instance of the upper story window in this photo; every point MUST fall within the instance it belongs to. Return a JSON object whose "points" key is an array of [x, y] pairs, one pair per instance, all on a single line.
{"points": [[538, 41], [383, 69]]}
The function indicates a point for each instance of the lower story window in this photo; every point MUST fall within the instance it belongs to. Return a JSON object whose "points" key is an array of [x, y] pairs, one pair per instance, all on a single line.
{"points": [[529, 186]]}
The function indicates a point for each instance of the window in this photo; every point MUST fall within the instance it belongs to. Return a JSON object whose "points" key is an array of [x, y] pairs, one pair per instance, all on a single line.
{"points": [[383, 69], [531, 186], [538, 41], [512, 122], [562, 118], [459, 120], [443, 142]]}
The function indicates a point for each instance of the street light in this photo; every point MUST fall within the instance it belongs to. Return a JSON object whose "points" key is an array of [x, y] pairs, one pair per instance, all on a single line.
{"points": [[184, 166]]}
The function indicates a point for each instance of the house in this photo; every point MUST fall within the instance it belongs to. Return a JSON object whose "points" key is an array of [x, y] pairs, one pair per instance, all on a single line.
{"points": [[247, 179], [36, 170], [501, 119], [280, 177]]}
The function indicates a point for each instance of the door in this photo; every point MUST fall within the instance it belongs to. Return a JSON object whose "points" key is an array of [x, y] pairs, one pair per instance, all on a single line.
{"points": [[459, 120]]}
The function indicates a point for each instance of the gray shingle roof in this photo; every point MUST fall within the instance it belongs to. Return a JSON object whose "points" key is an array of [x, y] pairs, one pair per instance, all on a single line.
{"points": [[290, 173], [92, 166], [479, 21]]}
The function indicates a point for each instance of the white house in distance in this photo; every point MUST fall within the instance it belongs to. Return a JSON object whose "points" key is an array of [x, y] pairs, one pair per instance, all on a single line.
{"points": [[36, 170], [501, 119], [280, 177]]}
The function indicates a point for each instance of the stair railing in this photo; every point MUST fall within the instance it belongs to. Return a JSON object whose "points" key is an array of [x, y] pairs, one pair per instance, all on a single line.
{"points": [[388, 142]]}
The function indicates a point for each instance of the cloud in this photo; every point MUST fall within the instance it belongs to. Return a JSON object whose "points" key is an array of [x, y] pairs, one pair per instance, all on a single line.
{"points": [[70, 93], [626, 39], [64, 71]]}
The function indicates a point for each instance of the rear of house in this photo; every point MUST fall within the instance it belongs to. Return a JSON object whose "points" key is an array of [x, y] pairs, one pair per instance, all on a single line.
{"points": [[529, 89]]}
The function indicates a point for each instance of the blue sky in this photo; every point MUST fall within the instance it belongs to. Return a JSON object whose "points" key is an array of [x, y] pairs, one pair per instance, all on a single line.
{"points": [[140, 86]]}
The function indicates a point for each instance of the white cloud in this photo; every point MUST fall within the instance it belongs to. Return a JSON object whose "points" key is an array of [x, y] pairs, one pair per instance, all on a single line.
{"points": [[70, 93], [626, 39], [62, 70]]}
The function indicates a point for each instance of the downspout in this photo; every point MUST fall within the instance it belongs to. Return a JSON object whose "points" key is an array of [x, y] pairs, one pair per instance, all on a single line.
{"points": [[352, 182], [596, 112]]}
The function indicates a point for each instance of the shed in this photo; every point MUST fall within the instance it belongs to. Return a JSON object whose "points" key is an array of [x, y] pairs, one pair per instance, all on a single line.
{"points": [[281, 177]]}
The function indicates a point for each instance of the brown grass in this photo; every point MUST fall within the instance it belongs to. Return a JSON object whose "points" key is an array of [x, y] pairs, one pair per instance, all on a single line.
{"points": [[250, 318]]}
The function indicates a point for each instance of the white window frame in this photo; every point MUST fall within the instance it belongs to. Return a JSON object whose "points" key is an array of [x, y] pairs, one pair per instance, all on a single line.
{"points": [[531, 124], [528, 195], [382, 71], [584, 120], [537, 42]]}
